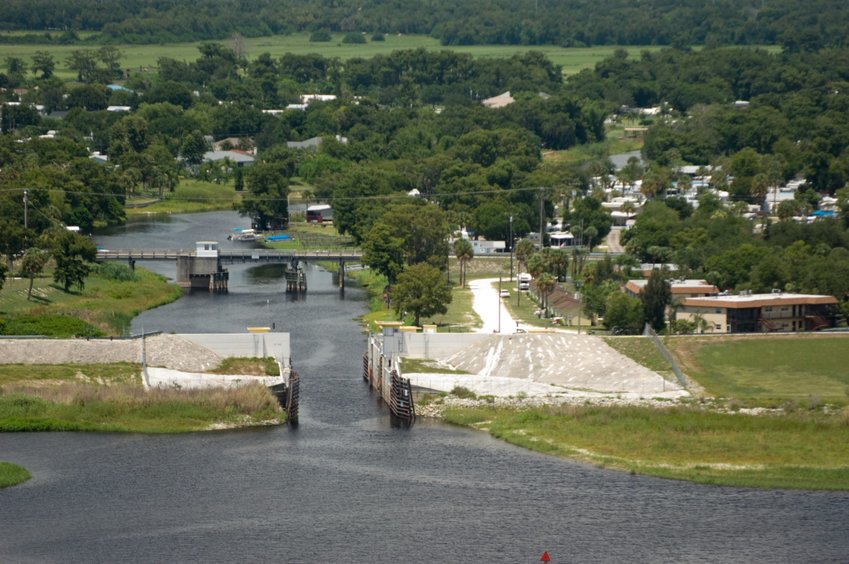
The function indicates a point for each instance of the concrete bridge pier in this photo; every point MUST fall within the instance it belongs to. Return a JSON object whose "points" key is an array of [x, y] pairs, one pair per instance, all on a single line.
{"points": [[296, 278], [202, 270]]}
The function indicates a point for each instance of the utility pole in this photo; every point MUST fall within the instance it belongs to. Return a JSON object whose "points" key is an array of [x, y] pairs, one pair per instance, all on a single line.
{"points": [[499, 303], [541, 216], [511, 248], [26, 210]]}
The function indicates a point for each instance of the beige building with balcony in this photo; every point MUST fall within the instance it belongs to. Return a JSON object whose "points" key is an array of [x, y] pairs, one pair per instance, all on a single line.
{"points": [[756, 313]]}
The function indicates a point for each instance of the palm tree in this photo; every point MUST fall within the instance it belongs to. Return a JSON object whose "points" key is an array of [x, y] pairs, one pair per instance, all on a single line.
{"points": [[524, 250], [545, 283], [465, 253]]}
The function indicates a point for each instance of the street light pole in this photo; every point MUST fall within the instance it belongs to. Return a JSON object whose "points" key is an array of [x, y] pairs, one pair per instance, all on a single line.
{"points": [[26, 206]]}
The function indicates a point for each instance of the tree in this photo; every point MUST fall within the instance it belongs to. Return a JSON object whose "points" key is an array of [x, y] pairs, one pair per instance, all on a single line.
{"points": [[464, 252], [623, 314], [73, 254], [42, 61], [656, 296], [383, 251], [193, 148], [422, 291], [238, 179], [545, 283], [423, 228], [524, 250], [32, 264], [266, 201]]}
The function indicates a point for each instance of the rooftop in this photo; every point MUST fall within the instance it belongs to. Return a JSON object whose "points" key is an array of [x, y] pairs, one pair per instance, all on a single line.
{"points": [[760, 300]]}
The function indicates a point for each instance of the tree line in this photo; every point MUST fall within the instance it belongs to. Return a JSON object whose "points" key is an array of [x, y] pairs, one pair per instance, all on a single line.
{"points": [[795, 25]]}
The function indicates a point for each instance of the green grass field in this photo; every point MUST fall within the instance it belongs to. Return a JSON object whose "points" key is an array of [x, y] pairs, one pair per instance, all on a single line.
{"points": [[803, 450], [768, 370], [143, 58], [642, 351]]}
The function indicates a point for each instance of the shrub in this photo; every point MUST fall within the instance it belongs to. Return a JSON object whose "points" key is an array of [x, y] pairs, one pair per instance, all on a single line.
{"points": [[378, 37], [321, 35], [63, 326], [354, 37], [463, 392], [117, 271]]}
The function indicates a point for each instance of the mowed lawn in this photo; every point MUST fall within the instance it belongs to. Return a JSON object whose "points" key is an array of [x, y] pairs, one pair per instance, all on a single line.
{"points": [[766, 368], [143, 58]]}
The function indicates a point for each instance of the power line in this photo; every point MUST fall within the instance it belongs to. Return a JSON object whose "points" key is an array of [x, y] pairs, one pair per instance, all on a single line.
{"points": [[337, 198]]}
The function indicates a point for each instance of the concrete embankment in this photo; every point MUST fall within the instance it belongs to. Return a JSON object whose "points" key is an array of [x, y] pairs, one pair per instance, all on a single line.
{"points": [[166, 350]]}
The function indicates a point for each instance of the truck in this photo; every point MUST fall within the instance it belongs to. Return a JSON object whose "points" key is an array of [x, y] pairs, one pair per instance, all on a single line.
{"points": [[524, 280]]}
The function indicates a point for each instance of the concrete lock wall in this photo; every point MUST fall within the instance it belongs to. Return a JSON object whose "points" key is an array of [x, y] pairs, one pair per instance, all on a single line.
{"points": [[428, 345], [245, 345]]}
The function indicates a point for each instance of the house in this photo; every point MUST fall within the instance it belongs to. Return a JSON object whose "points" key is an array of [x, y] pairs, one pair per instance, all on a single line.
{"points": [[98, 158], [500, 101], [678, 288], [755, 313], [562, 239], [229, 143], [487, 247], [308, 98], [313, 143], [319, 213], [238, 158]]}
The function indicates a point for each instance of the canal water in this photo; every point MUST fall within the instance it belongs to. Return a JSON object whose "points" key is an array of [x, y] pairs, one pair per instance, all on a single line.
{"points": [[346, 486]]}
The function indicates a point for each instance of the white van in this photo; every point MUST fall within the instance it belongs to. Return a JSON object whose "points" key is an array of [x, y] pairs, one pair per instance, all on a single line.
{"points": [[524, 280]]}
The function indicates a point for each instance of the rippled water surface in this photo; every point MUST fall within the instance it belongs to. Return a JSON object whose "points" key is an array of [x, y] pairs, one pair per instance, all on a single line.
{"points": [[346, 486]]}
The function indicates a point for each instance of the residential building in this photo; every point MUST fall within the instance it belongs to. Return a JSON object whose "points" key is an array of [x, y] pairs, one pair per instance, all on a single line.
{"points": [[680, 289], [754, 313]]}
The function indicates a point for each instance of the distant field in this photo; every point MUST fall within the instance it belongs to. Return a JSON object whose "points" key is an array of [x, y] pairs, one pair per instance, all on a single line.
{"points": [[136, 57], [769, 369]]}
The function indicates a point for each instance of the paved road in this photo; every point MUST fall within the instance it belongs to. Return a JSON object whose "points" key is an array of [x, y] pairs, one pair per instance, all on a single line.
{"points": [[613, 244], [490, 307]]}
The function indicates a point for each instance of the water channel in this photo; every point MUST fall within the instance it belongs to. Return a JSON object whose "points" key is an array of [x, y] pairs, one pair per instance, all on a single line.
{"points": [[346, 486]]}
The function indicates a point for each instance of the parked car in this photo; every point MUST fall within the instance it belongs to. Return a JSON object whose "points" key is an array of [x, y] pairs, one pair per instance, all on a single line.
{"points": [[505, 293]]}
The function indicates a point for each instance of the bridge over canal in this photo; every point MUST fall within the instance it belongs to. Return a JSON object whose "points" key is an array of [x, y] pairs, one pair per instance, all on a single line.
{"points": [[203, 267]]}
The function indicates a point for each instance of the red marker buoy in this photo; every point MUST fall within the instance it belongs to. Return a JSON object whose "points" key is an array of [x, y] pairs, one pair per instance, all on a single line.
{"points": [[545, 557]]}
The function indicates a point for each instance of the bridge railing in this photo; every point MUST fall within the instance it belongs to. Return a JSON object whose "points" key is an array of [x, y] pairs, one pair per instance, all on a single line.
{"points": [[243, 254]]}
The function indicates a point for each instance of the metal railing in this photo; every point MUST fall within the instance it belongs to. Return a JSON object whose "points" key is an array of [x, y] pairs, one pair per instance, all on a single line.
{"points": [[661, 348]]}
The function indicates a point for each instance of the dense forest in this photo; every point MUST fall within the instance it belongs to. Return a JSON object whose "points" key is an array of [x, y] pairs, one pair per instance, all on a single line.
{"points": [[793, 24]]}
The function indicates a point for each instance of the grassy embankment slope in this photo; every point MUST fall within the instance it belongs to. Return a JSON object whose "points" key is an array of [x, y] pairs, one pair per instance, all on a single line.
{"points": [[711, 441], [190, 196], [110, 397], [104, 307]]}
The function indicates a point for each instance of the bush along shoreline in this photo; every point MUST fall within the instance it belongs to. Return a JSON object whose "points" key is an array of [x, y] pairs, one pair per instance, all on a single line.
{"points": [[12, 474]]}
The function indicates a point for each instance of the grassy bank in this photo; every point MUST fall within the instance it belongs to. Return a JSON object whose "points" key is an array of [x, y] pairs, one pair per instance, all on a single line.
{"points": [[125, 408], [803, 450], [769, 370], [12, 474], [106, 306], [190, 196], [110, 397]]}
